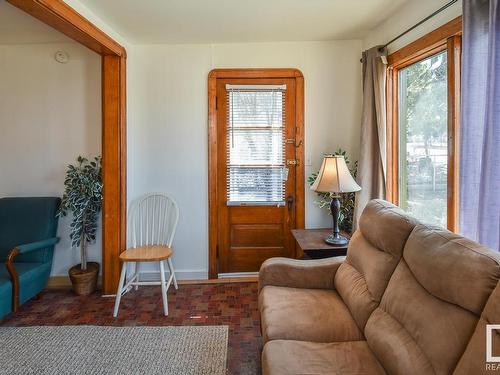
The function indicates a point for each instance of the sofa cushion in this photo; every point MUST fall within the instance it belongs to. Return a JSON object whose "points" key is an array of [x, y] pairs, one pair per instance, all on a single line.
{"points": [[374, 252], [386, 226], [431, 305], [32, 278], [473, 359], [5, 296], [282, 357], [471, 270], [299, 273], [305, 314]]}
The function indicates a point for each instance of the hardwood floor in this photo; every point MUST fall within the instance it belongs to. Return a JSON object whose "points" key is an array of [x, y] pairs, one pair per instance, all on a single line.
{"points": [[232, 304]]}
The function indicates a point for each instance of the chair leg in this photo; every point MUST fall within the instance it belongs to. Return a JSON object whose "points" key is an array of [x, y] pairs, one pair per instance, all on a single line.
{"points": [[120, 289], [172, 272], [137, 264], [163, 289]]}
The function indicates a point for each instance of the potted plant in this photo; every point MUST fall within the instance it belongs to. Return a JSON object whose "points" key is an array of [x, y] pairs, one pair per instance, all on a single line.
{"points": [[346, 216], [83, 197]]}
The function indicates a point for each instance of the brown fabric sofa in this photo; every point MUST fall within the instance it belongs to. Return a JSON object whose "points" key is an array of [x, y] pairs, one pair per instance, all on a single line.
{"points": [[407, 299]]}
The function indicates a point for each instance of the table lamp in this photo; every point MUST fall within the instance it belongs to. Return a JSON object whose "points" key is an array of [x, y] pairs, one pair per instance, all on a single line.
{"points": [[334, 177]]}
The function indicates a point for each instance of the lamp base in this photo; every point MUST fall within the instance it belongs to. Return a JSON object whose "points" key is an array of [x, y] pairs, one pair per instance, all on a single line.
{"points": [[336, 240]]}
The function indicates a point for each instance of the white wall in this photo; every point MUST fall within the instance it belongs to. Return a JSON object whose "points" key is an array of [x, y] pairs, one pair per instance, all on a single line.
{"points": [[167, 122], [408, 15], [49, 114], [167, 116]]}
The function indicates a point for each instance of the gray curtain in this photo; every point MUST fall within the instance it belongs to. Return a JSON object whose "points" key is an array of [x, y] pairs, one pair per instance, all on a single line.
{"points": [[372, 159], [480, 123]]}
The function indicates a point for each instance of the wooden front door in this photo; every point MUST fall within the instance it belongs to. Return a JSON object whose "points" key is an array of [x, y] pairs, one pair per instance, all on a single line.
{"points": [[256, 171]]}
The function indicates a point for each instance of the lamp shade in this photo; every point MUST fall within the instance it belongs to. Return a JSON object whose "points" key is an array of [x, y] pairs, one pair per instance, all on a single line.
{"points": [[334, 177]]}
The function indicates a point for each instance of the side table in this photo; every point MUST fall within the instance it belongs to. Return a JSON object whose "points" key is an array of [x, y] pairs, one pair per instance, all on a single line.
{"points": [[314, 247]]}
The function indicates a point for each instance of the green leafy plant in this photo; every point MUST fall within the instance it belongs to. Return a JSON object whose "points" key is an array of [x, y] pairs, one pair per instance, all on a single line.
{"points": [[83, 197], [347, 200]]}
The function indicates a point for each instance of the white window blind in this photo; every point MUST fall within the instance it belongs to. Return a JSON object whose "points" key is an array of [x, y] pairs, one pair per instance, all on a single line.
{"points": [[256, 170]]}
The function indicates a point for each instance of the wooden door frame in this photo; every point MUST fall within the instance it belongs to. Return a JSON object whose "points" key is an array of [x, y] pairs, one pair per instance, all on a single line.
{"points": [[444, 38], [215, 74], [60, 16]]}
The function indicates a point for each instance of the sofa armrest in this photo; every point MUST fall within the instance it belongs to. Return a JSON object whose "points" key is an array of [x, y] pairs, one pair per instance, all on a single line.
{"points": [[9, 264], [26, 248], [293, 273], [14, 277]]}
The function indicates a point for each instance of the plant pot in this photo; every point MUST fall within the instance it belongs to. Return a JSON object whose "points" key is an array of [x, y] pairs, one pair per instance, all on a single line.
{"points": [[84, 282]]}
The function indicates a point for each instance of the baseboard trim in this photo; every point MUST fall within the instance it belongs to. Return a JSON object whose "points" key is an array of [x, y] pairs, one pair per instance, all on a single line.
{"points": [[231, 275], [220, 281], [193, 277], [181, 275], [63, 282]]}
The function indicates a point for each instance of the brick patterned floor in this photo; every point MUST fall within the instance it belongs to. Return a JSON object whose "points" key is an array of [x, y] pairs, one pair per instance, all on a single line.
{"points": [[232, 304]]}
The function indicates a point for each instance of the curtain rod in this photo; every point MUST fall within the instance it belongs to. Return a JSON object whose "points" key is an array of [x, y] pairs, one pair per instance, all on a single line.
{"points": [[447, 5]]}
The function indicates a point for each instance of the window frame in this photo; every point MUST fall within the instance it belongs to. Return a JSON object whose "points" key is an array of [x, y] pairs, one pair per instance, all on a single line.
{"points": [[446, 38]]}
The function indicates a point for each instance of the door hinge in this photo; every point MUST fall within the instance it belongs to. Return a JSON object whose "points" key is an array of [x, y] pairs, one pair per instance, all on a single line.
{"points": [[292, 162], [216, 103], [217, 251]]}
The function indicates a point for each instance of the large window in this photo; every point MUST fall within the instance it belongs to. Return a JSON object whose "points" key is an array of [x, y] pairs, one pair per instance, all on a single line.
{"points": [[423, 139], [423, 107]]}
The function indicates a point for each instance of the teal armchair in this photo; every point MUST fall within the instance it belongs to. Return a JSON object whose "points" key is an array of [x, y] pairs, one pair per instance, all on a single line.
{"points": [[28, 228]]}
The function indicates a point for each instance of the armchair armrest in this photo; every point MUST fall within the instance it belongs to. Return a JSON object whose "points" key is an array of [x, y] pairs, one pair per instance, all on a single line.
{"points": [[23, 249], [26, 248], [293, 273]]}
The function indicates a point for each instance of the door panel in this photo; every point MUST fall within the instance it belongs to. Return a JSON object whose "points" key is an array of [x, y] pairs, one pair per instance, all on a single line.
{"points": [[250, 259], [259, 235], [256, 209]]}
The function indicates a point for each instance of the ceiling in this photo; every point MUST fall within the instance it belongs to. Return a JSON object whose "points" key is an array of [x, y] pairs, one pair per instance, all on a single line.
{"points": [[225, 21], [213, 21], [17, 27]]}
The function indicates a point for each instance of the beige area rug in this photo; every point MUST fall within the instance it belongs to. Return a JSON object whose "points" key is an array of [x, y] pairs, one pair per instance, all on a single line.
{"points": [[113, 350]]}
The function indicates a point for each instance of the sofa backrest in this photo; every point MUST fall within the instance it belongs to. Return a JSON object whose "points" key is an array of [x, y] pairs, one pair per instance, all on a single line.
{"points": [[474, 360], [26, 220], [374, 252], [432, 303]]}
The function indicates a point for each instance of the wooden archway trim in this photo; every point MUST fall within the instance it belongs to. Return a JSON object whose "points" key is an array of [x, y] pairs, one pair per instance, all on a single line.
{"points": [[62, 17], [65, 19]]}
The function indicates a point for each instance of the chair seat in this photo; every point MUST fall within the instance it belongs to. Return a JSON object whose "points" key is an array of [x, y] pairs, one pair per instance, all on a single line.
{"points": [[5, 296], [32, 278], [282, 357], [152, 253], [317, 315]]}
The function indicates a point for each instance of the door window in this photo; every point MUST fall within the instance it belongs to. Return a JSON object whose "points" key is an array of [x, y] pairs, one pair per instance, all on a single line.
{"points": [[255, 145]]}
